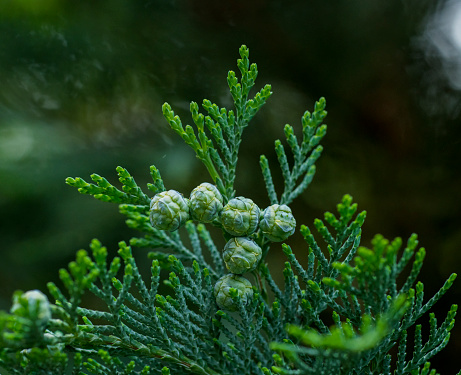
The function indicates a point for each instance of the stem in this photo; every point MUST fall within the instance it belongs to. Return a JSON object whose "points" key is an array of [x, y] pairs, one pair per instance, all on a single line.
{"points": [[261, 284], [210, 167]]}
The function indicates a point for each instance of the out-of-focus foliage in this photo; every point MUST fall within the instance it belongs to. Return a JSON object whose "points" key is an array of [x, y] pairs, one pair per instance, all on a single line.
{"points": [[82, 85]]}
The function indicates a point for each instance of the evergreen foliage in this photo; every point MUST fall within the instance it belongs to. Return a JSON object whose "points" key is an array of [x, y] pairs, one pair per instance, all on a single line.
{"points": [[263, 329]]}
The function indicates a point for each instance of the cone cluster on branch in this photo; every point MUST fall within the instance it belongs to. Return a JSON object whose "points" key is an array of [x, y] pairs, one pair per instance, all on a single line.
{"points": [[240, 218]]}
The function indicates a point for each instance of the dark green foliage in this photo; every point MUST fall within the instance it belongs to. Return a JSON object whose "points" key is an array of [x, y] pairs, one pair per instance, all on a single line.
{"points": [[226, 126], [141, 329], [106, 192], [305, 155]]}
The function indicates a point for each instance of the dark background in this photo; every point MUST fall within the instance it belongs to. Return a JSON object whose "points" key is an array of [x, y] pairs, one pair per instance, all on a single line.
{"points": [[81, 89]]}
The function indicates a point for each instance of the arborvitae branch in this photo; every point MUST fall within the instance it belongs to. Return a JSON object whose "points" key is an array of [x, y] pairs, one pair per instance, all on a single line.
{"points": [[304, 156], [106, 192], [210, 323], [226, 128]]}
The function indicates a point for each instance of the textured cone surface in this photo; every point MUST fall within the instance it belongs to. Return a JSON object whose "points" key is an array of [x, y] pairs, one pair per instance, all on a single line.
{"points": [[206, 203], [240, 216], [277, 222], [169, 210], [241, 254], [223, 286]]}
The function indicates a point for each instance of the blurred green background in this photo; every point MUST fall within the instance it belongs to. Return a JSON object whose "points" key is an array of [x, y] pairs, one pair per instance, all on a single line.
{"points": [[82, 84]]}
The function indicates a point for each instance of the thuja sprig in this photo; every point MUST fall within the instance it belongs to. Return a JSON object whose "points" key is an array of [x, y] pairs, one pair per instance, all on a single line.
{"points": [[106, 192], [225, 126], [342, 242], [343, 344], [140, 323], [377, 270], [351, 291], [82, 272], [437, 340], [304, 156], [209, 322]]}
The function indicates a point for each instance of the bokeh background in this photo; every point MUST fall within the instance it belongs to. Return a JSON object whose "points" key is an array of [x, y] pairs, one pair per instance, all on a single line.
{"points": [[81, 89]]}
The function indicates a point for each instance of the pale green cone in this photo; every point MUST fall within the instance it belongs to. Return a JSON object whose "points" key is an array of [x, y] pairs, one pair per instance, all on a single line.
{"points": [[33, 305], [169, 210], [224, 284], [241, 254], [277, 222], [206, 203], [240, 216]]}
